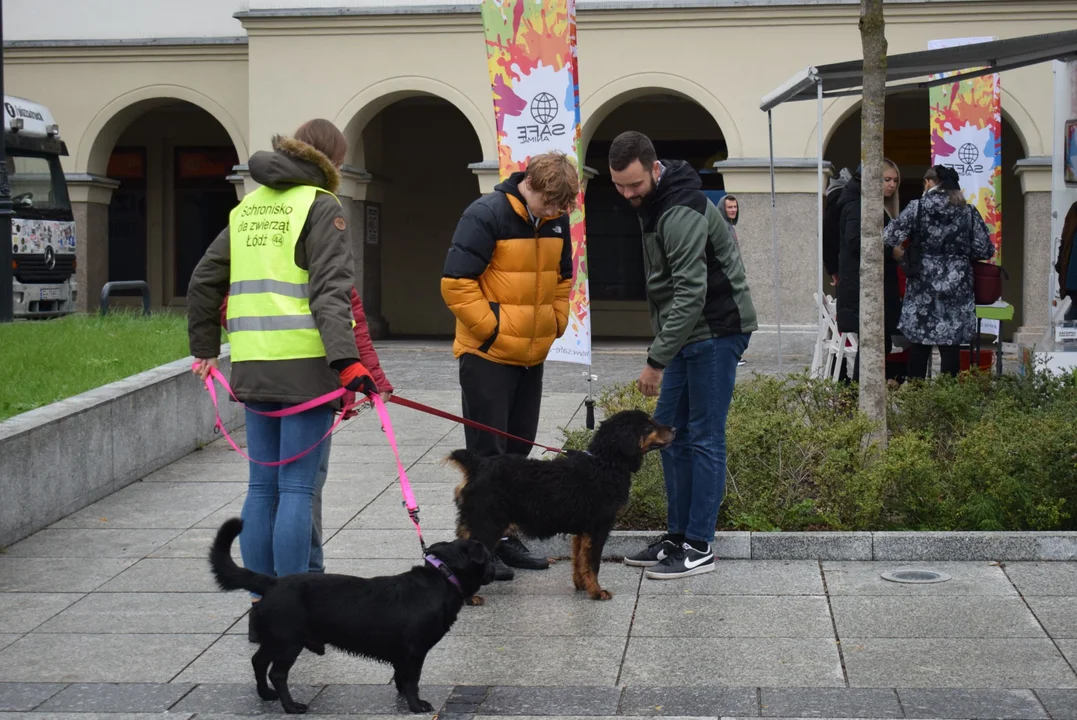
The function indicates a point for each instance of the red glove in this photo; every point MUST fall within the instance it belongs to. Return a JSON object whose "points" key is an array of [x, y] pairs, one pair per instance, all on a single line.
{"points": [[349, 399], [357, 378]]}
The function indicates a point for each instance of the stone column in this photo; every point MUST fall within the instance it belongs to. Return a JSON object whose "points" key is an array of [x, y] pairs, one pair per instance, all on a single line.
{"points": [[241, 180], [797, 220], [363, 194], [90, 197], [488, 174], [588, 173], [1035, 175]]}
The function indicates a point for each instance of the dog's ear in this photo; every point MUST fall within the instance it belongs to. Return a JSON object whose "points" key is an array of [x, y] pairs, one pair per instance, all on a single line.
{"points": [[477, 552], [630, 440]]}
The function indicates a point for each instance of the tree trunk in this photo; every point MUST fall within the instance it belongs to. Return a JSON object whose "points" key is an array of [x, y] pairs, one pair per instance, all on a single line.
{"points": [[872, 326]]}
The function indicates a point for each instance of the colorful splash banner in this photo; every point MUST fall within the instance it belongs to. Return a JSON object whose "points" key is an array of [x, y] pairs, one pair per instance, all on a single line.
{"points": [[531, 52], [966, 134]]}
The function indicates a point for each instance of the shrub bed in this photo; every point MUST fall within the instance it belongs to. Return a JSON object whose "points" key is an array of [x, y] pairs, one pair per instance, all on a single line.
{"points": [[972, 453]]}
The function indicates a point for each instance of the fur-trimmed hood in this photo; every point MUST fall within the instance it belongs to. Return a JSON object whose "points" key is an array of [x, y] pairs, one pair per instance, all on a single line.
{"points": [[293, 162]]}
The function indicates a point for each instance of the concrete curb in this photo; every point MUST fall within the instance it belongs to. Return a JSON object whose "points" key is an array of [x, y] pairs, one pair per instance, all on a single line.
{"points": [[62, 457], [854, 546]]}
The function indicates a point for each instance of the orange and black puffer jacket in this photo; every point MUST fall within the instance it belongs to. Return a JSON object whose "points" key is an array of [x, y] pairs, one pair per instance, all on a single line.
{"points": [[507, 279]]}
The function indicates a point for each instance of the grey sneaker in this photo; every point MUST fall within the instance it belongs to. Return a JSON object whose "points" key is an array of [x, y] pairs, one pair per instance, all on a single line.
{"points": [[683, 561], [655, 553]]}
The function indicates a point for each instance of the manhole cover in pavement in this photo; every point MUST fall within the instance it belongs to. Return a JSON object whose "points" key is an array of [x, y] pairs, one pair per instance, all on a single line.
{"points": [[915, 576]]}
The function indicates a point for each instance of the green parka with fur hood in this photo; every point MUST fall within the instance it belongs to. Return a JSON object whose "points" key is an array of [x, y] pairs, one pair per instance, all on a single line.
{"points": [[323, 250]]}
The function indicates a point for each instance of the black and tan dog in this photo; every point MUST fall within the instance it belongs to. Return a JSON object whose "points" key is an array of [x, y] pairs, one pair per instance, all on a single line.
{"points": [[395, 619], [580, 493]]}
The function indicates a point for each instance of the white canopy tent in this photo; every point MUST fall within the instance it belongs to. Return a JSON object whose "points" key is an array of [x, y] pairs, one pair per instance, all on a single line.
{"points": [[846, 79]]}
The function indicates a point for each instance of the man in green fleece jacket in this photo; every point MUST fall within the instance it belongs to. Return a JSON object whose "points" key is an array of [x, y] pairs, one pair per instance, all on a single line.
{"points": [[702, 316]]}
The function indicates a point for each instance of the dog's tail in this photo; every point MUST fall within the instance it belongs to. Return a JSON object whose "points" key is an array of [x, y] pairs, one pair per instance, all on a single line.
{"points": [[467, 461], [230, 576]]}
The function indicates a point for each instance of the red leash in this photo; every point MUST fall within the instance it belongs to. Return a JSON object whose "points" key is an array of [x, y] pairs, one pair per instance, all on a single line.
{"points": [[470, 423], [321, 400]]}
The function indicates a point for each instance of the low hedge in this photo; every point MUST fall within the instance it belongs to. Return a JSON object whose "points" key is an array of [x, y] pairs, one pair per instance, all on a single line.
{"points": [[972, 453]]}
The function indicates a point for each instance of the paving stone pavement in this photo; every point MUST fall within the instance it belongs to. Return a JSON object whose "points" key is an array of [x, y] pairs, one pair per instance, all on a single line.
{"points": [[112, 613]]}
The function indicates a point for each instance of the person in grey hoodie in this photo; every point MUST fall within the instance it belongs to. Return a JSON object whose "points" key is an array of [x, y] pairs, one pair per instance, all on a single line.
{"points": [[730, 208]]}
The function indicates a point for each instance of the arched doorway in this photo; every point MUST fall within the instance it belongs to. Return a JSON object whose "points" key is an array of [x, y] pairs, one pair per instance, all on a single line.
{"points": [[417, 151], [680, 130], [907, 142], [172, 160]]}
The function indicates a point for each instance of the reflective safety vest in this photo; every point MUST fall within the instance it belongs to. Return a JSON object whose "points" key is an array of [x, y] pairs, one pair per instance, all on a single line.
{"points": [[269, 314]]}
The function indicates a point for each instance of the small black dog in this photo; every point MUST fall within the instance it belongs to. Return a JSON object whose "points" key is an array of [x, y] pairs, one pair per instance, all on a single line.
{"points": [[395, 619], [580, 493]]}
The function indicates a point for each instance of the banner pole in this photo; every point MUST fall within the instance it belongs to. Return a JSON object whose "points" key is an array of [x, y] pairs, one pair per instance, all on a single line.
{"points": [[774, 239]]}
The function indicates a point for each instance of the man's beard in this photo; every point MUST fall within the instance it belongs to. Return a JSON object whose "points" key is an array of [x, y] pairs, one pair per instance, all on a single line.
{"points": [[640, 201]]}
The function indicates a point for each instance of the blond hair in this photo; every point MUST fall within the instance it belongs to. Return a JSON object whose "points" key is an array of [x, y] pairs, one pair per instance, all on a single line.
{"points": [[892, 204]]}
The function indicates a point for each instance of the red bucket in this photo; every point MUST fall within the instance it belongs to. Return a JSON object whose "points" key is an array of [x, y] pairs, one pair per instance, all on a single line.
{"points": [[987, 281], [987, 359]]}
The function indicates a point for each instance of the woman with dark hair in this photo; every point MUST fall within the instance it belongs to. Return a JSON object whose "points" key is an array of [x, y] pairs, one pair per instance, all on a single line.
{"points": [[945, 236], [847, 291]]}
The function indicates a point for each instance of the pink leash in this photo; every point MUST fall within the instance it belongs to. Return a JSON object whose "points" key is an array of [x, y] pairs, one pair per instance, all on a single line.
{"points": [[383, 414], [405, 486]]}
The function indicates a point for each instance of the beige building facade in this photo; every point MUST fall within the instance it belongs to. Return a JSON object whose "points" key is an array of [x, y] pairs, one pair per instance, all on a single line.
{"points": [[160, 114]]}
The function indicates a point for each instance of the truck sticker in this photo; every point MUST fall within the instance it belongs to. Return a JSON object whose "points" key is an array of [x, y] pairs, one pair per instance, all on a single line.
{"points": [[33, 236]]}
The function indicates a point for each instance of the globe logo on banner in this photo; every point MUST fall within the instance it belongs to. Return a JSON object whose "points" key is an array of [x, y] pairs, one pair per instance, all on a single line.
{"points": [[541, 122], [965, 150], [544, 108], [968, 154]]}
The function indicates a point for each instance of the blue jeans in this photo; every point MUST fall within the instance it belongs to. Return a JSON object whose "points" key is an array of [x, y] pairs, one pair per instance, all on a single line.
{"points": [[277, 513], [317, 555], [697, 388]]}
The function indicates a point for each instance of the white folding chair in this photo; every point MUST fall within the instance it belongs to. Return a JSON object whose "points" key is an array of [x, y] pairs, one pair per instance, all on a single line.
{"points": [[833, 347]]}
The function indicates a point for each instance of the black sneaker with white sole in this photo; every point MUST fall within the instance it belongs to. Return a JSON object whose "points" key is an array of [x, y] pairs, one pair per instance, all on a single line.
{"points": [[655, 553], [683, 561]]}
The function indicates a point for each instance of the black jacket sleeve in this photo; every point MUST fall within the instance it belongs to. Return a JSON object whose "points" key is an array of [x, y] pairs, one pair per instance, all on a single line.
{"points": [[472, 248]]}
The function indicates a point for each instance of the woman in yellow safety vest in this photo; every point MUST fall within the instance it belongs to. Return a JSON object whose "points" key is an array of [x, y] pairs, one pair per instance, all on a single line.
{"points": [[284, 262]]}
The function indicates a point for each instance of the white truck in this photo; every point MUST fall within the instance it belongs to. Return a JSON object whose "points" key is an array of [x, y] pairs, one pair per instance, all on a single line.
{"points": [[42, 226]]}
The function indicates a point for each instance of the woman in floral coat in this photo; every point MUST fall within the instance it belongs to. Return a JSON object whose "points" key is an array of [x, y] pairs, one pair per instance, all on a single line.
{"points": [[939, 307]]}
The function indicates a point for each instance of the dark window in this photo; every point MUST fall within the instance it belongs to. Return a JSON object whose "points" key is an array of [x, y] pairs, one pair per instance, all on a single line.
{"points": [[127, 217], [203, 200]]}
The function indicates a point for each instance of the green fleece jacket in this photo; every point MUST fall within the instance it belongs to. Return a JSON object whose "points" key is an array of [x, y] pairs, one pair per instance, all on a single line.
{"points": [[697, 288]]}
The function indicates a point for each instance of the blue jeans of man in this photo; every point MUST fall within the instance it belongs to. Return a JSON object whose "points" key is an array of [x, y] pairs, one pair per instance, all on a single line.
{"points": [[697, 388], [277, 514], [317, 555]]}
